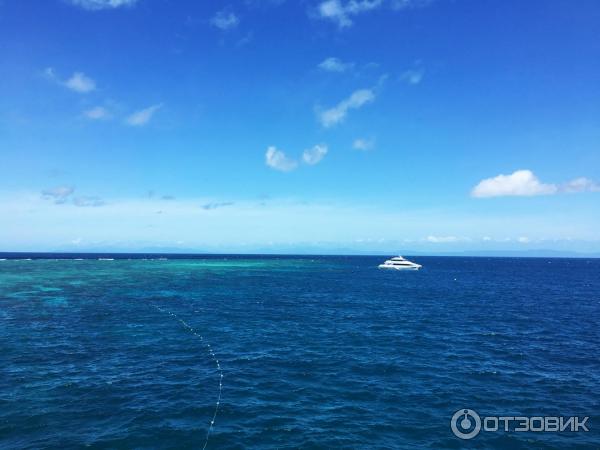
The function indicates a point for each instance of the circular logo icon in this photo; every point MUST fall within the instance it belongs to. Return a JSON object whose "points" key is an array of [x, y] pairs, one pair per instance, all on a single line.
{"points": [[465, 424]]}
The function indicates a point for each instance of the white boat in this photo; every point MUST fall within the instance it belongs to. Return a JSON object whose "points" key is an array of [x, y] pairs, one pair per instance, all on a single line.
{"points": [[399, 263]]}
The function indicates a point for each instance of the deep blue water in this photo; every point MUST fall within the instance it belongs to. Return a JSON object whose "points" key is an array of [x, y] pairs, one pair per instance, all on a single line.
{"points": [[315, 352]]}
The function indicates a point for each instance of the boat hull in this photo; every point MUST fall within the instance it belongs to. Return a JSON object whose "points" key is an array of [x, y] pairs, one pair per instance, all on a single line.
{"points": [[384, 266]]}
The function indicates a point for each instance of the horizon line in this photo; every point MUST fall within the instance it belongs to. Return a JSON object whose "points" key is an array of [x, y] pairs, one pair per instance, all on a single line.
{"points": [[555, 254]]}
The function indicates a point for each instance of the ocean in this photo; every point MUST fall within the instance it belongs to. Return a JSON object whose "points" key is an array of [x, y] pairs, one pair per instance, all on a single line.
{"points": [[310, 352]]}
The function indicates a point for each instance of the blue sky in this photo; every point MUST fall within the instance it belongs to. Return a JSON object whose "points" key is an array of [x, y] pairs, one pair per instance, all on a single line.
{"points": [[318, 126]]}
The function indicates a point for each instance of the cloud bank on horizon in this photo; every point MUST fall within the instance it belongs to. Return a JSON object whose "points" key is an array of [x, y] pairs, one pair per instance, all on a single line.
{"points": [[205, 224]]}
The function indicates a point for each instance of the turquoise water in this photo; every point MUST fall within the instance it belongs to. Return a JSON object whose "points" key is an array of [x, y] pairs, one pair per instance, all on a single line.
{"points": [[294, 352]]}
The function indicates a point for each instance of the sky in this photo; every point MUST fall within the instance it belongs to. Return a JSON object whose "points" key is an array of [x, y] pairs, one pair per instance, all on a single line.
{"points": [[314, 126]]}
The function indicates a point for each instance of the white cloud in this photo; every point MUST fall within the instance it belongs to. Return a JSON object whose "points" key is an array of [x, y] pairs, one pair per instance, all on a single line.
{"points": [[363, 144], [225, 20], [216, 205], [519, 183], [525, 183], [333, 10], [442, 239], [413, 76], [315, 154], [60, 194], [95, 5], [523, 240], [398, 5], [50, 73], [88, 201], [581, 184], [341, 13], [143, 116], [276, 159], [63, 194], [97, 113], [334, 65], [79, 82], [248, 37], [337, 114]]}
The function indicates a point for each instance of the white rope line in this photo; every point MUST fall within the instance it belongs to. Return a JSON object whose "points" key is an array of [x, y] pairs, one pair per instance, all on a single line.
{"points": [[215, 360]]}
